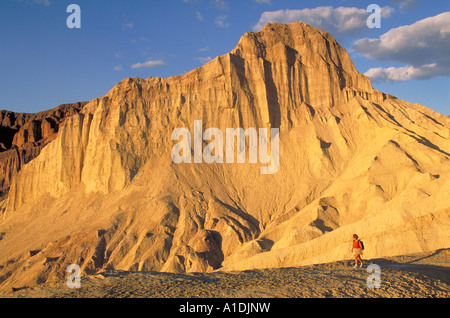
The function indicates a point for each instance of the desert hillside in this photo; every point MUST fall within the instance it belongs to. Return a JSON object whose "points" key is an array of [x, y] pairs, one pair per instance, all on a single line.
{"points": [[106, 195]]}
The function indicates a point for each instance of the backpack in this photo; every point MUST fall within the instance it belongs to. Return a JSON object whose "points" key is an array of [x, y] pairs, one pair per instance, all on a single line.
{"points": [[362, 245]]}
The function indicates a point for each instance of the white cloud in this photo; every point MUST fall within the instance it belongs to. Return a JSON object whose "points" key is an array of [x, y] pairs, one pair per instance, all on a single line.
{"points": [[204, 59], [203, 49], [403, 73], [269, 2], [149, 63], [405, 4], [118, 68], [43, 2], [423, 47], [199, 16], [342, 20], [221, 21], [128, 25], [40, 2], [221, 5]]}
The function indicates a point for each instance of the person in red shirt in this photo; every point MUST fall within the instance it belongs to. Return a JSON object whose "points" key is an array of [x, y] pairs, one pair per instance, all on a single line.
{"points": [[357, 250]]}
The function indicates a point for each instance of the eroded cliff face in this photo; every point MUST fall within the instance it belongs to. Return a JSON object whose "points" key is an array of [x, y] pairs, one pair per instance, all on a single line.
{"points": [[22, 136], [106, 194], [274, 78]]}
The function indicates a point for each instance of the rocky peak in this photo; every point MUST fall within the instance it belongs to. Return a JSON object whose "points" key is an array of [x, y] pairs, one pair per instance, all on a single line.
{"points": [[352, 159]]}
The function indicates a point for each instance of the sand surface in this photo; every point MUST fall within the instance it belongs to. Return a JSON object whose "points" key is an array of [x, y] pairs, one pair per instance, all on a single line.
{"points": [[419, 275]]}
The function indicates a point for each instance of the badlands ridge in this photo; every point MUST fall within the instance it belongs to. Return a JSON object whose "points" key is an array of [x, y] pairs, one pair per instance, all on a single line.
{"points": [[105, 194]]}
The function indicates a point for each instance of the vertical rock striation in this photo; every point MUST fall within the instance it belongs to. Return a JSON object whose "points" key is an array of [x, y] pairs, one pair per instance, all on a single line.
{"points": [[22, 136], [105, 194]]}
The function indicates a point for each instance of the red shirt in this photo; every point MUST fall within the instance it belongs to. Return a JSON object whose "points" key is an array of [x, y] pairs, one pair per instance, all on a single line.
{"points": [[356, 244]]}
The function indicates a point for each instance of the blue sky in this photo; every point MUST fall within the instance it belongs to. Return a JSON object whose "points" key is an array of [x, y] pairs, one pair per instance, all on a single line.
{"points": [[43, 63]]}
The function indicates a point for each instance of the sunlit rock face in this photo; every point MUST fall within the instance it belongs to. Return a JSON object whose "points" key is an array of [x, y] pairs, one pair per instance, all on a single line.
{"points": [[105, 193]]}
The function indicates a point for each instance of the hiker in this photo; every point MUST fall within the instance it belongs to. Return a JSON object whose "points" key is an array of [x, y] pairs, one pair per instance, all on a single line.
{"points": [[357, 250]]}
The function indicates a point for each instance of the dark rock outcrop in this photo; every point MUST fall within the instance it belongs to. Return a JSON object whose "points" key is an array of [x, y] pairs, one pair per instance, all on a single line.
{"points": [[22, 137]]}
